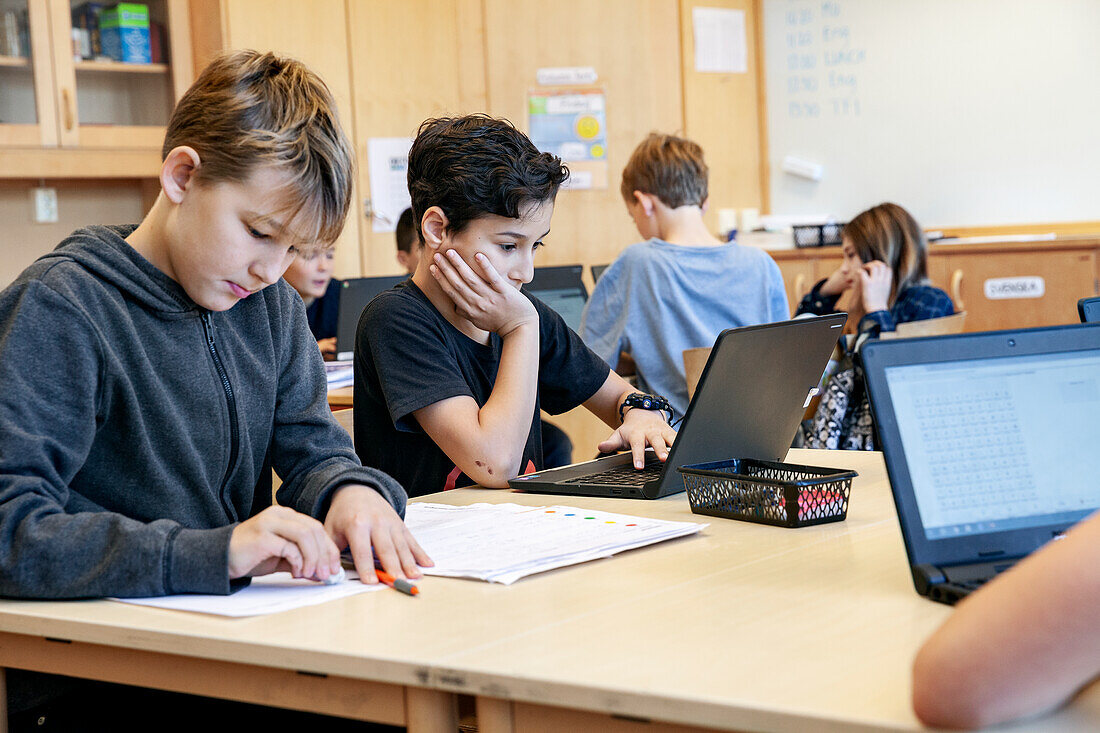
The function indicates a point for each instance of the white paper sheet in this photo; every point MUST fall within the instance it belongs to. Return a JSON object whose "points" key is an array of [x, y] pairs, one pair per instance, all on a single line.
{"points": [[720, 44], [388, 163], [266, 594], [502, 543]]}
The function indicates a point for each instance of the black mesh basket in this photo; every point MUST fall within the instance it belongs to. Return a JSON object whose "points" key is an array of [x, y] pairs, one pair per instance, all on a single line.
{"points": [[768, 492], [817, 235]]}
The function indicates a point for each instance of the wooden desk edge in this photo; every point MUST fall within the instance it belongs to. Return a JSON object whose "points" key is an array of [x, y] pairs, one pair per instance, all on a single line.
{"points": [[418, 708]]}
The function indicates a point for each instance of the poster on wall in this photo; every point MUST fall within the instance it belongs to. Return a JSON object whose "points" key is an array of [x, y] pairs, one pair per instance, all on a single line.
{"points": [[388, 163], [572, 124]]}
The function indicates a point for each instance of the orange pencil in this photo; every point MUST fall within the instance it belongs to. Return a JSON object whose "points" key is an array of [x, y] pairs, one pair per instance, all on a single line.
{"points": [[400, 584]]}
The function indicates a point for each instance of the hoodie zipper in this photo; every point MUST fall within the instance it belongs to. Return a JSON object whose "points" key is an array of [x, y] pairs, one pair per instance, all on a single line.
{"points": [[231, 403]]}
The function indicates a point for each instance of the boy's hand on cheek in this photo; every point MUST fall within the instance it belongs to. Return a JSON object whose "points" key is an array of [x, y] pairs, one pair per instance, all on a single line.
{"points": [[281, 539], [481, 294], [359, 518], [641, 428]]}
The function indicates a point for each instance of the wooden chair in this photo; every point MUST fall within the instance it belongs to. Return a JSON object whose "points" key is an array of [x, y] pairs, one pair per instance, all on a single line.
{"points": [[694, 361], [346, 418], [928, 327]]}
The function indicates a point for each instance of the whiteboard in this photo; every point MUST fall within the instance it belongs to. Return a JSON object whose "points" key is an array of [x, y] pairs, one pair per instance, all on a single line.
{"points": [[966, 112]]}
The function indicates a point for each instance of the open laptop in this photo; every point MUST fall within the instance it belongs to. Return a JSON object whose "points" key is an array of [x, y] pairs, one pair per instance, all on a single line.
{"points": [[355, 293], [750, 399], [990, 445], [562, 289]]}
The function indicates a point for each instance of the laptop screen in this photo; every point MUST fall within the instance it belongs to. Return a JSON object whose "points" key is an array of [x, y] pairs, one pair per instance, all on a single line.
{"points": [[355, 294], [562, 289], [1001, 443]]}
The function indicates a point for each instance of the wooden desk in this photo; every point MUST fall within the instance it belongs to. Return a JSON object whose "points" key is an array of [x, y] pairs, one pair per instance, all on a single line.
{"points": [[744, 627], [340, 397]]}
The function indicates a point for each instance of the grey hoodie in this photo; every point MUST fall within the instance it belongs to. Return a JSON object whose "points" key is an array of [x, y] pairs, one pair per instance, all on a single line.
{"points": [[134, 425]]}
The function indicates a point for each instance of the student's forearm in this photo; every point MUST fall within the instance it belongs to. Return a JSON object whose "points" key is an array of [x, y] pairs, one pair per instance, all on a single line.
{"points": [[1022, 645], [504, 421], [605, 403]]}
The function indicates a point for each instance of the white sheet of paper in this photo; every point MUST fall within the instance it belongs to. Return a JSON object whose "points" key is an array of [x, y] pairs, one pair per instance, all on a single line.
{"points": [[502, 543], [266, 594], [720, 44], [388, 163]]}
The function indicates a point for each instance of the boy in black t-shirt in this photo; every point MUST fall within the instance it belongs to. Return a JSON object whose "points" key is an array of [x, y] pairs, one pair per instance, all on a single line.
{"points": [[453, 366]]}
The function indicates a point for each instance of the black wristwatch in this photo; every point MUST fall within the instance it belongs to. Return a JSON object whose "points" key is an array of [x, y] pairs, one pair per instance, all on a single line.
{"points": [[645, 402]]}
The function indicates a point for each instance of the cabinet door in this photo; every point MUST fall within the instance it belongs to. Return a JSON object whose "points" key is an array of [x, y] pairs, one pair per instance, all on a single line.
{"points": [[798, 278], [28, 115], [109, 103], [410, 60], [634, 48], [1020, 289], [312, 32]]}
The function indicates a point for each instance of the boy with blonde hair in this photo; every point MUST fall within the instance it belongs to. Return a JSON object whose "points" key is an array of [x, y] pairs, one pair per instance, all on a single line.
{"points": [[150, 372], [153, 374], [682, 286]]}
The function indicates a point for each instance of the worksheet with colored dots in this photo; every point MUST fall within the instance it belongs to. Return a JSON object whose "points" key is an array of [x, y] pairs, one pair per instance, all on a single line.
{"points": [[502, 543]]}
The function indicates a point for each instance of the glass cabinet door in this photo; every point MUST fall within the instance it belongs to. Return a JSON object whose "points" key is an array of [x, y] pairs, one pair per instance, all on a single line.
{"points": [[27, 112], [118, 80]]}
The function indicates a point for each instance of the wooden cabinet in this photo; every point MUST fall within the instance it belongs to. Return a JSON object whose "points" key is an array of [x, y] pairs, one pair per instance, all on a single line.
{"points": [[999, 284], [1019, 289], [61, 117]]}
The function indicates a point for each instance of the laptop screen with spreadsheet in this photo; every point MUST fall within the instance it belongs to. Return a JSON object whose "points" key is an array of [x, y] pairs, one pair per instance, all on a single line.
{"points": [[999, 444]]}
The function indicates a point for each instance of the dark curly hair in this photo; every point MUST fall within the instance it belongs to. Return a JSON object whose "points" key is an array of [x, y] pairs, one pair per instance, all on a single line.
{"points": [[477, 165]]}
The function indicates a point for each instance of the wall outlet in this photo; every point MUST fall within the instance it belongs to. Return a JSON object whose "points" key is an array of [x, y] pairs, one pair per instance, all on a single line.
{"points": [[45, 205]]}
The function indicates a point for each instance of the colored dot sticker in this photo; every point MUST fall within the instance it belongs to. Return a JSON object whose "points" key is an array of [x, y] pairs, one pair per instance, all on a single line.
{"points": [[588, 127], [589, 517], [608, 521], [632, 524], [570, 514], [550, 511], [597, 151]]}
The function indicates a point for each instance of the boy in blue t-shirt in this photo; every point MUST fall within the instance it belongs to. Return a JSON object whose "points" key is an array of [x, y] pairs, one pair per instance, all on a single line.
{"points": [[453, 366], [682, 286]]}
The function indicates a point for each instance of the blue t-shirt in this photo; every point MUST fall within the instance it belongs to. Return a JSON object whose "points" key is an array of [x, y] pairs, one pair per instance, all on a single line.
{"points": [[658, 299]]}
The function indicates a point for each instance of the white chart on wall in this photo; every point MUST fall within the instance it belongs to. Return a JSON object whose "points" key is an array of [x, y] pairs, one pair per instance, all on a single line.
{"points": [[967, 112]]}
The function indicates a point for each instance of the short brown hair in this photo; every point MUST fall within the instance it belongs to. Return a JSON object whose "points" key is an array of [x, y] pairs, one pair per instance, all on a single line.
{"points": [[888, 233], [669, 167], [249, 109]]}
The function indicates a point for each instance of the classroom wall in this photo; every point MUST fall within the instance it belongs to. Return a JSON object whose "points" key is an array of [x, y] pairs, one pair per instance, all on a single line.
{"points": [[79, 203], [407, 61]]}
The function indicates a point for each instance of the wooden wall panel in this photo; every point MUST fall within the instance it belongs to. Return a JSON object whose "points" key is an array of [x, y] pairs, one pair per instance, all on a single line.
{"points": [[312, 32], [721, 113], [410, 60], [634, 46]]}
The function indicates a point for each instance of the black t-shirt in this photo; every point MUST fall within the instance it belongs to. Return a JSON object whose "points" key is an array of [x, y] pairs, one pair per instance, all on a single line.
{"points": [[322, 313], [407, 356]]}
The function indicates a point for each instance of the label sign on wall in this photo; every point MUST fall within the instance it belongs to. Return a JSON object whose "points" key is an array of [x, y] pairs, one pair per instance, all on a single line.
{"points": [[1004, 288]]}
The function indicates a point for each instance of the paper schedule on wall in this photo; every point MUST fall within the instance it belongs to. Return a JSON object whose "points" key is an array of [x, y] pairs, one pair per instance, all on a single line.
{"points": [[388, 163], [720, 44], [572, 124]]}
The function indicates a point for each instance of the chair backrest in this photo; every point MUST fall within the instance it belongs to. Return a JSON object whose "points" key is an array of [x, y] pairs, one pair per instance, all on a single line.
{"points": [[928, 327], [694, 361], [1089, 310], [346, 418]]}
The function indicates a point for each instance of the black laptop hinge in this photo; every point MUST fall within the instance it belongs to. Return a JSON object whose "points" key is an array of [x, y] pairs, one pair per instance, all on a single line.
{"points": [[925, 576]]}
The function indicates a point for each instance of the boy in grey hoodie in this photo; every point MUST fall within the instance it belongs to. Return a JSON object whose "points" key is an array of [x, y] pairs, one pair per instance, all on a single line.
{"points": [[150, 376]]}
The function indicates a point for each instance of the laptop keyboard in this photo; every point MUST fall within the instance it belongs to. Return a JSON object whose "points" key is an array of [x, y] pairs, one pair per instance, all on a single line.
{"points": [[622, 475]]}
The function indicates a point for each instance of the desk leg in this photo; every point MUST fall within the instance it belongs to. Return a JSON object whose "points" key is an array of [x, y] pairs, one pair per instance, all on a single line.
{"points": [[430, 711], [3, 700], [495, 716]]}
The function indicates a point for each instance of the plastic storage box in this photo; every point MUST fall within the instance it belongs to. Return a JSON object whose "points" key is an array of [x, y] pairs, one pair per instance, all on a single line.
{"points": [[768, 492]]}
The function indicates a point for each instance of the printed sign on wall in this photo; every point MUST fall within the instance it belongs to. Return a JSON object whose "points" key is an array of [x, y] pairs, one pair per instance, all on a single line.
{"points": [[572, 124]]}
